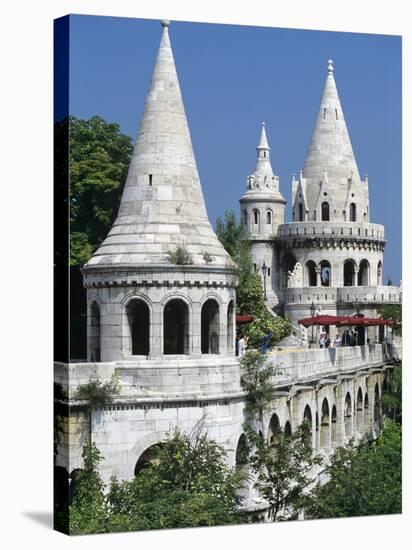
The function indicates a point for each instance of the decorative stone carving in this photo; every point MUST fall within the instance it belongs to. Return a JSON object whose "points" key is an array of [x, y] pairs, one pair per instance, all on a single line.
{"points": [[295, 277]]}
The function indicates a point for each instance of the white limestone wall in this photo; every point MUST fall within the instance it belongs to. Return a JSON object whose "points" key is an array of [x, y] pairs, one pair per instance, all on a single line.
{"points": [[115, 338]]}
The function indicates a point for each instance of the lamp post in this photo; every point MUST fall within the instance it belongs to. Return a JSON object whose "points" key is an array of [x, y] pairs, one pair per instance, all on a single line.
{"points": [[312, 314], [264, 271]]}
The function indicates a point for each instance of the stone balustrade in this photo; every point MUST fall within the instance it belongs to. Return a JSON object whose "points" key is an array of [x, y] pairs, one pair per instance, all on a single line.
{"points": [[350, 294], [317, 364], [216, 378], [332, 229]]}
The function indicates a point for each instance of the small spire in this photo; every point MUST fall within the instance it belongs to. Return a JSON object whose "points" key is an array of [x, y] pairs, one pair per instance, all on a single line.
{"points": [[263, 142], [165, 23], [330, 67]]}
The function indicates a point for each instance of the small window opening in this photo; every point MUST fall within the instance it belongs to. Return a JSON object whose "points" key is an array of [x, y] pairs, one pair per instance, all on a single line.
{"points": [[336, 113], [324, 113], [150, 179], [268, 271]]}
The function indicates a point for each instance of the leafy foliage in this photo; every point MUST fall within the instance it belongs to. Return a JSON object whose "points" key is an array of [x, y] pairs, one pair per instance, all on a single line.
{"points": [[189, 485], [99, 158], [249, 294], [393, 311], [257, 380], [88, 511], [391, 399], [180, 255], [363, 480], [96, 393], [264, 324], [283, 466]]}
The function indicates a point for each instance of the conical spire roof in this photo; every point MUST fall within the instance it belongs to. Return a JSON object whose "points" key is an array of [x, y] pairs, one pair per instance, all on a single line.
{"points": [[162, 205], [330, 149]]}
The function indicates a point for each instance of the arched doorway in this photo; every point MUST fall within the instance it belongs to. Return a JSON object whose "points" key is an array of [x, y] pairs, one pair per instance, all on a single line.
{"points": [[311, 273], [94, 332], [210, 327], [333, 432], [325, 273], [366, 417], [288, 429], [377, 409], [274, 429], [149, 457], [363, 274], [348, 415], [324, 424], [176, 328], [307, 418], [349, 273], [138, 316], [325, 211], [241, 460], [359, 411], [230, 327]]}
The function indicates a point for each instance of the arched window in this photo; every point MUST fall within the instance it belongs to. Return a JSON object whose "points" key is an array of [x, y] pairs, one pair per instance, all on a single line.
{"points": [[311, 273], [241, 460], [359, 411], [230, 327], [352, 212], [325, 212], [379, 274], [349, 273], [176, 328], [149, 457], [245, 217], [288, 264], [333, 433], [256, 217], [300, 212], [269, 217], [138, 316], [348, 415], [324, 424], [210, 327], [94, 332], [325, 273], [363, 273], [307, 418]]}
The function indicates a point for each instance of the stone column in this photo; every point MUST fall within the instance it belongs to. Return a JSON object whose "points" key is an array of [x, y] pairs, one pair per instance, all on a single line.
{"points": [[195, 331], [355, 276], [156, 332], [317, 271]]}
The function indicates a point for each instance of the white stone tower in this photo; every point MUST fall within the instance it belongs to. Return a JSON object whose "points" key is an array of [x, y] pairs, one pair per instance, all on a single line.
{"points": [[143, 303], [262, 210], [331, 255]]}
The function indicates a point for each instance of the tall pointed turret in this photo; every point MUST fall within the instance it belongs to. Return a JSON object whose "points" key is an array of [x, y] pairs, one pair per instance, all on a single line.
{"points": [[330, 174], [162, 205], [330, 149]]}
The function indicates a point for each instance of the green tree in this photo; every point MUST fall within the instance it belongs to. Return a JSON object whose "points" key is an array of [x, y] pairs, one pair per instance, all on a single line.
{"points": [[364, 479], [391, 399], [393, 311], [88, 510], [283, 466], [256, 379], [249, 294], [99, 158], [188, 485]]}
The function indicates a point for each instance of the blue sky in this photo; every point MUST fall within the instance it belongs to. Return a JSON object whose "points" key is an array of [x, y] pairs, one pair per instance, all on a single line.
{"points": [[234, 77]]}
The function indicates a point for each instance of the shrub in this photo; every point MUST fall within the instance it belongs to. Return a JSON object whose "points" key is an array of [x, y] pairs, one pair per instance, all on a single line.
{"points": [[96, 393], [180, 255]]}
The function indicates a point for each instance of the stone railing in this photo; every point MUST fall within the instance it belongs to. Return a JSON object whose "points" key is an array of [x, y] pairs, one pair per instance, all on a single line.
{"points": [[315, 364], [331, 229], [361, 294]]}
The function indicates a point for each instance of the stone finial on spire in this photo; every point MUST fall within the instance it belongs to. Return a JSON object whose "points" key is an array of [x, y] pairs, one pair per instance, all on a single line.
{"points": [[165, 23], [330, 67]]}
